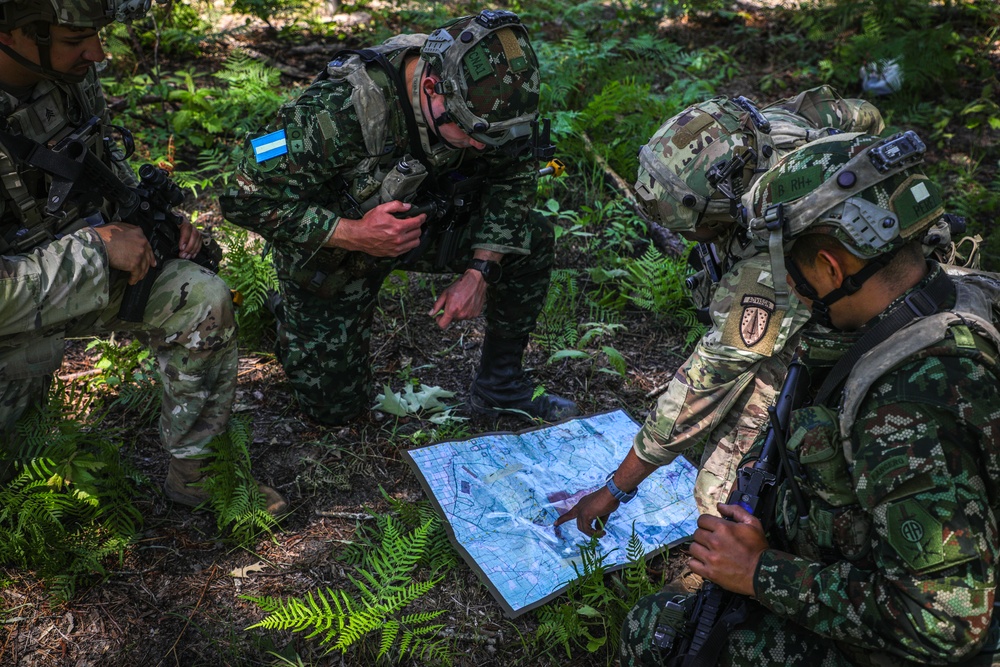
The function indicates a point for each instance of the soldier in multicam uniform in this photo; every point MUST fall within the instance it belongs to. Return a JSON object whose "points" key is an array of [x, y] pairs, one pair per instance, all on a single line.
{"points": [[459, 104], [64, 275], [888, 526], [691, 173]]}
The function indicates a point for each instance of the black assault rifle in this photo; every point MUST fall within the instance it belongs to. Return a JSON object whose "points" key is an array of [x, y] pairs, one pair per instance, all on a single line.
{"points": [[693, 634], [450, 201], [79, 176]]}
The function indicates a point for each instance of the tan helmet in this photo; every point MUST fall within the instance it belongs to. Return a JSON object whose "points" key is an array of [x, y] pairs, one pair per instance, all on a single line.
{"points": [[697, 165]]}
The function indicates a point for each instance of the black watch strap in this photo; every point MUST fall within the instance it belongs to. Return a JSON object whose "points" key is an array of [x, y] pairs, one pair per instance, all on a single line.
{"points": [[492, 271]]}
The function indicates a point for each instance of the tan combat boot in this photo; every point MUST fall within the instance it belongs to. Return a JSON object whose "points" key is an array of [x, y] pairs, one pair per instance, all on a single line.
{"points": [[183, 486]]}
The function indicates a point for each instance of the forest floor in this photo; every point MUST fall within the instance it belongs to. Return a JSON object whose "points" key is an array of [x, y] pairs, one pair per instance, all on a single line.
{"points": [[174, 599]]}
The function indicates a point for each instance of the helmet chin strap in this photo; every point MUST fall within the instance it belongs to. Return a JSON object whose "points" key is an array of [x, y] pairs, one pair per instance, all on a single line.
{"points": [[850, 285], [437, 121], [43, 39]]}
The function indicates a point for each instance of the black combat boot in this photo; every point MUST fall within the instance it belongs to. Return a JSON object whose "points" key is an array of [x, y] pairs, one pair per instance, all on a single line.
{"points": [[502, 386]]}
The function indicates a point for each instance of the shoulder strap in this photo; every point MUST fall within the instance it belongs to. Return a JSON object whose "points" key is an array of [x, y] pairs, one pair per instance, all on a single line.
{"points": [[919, 303], [973, 308], [372, 55]]}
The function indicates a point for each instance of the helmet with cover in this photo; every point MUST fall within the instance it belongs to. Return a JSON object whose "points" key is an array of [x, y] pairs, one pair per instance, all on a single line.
{"points": [[864, 191], [698, 164], [40, 14], [488, 76]]}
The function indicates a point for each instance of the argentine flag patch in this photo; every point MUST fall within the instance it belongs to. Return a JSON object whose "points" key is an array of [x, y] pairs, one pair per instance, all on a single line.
{"points": [[269, 146]]}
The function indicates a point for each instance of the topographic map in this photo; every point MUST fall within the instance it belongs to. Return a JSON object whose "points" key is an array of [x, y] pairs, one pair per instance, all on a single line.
{"points": [[501, 492]]}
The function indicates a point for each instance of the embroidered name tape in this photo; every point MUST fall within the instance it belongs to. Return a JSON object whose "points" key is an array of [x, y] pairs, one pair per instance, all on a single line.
{"points": [[269, 146]]}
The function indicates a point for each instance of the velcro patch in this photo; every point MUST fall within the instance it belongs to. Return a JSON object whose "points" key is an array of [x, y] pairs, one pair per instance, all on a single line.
{"points": [[477, 61], [797, 184], [915, 535], [270, 145], [753, 323], [512, 49], [915, 200], [691, 129]]}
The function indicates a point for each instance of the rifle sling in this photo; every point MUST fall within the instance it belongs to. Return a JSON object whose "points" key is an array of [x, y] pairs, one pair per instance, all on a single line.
{"points": [[32, 153], [920, 303], [735, 611]]}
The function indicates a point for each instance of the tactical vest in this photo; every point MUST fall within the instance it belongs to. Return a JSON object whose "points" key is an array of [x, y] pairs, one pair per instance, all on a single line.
{"points": [[976, 311], [819, 442], [53, 111], [370, 85]]}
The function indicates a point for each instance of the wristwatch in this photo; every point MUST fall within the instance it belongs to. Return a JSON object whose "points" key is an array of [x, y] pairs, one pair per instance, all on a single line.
{"points": [[491, 270], [619, 495]]}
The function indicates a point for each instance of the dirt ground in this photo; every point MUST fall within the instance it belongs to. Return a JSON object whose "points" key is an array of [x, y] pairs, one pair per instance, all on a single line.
{"points": [[174, 601]]}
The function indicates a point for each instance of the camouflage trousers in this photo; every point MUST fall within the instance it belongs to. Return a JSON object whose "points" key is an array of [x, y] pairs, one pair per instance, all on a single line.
{"points": [[324, 333], [767, 639], [188, 324]]}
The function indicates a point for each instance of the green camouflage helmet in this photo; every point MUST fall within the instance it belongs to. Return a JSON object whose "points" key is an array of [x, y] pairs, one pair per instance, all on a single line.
{"points": [[697, 165], [864, 191], [75, 13], [489, 75]]}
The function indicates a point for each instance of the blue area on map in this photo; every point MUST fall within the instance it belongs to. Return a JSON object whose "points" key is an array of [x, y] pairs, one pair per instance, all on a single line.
{"points": [[501, 494]]}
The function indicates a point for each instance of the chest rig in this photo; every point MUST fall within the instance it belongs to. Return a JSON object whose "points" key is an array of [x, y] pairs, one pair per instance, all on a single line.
{"points": [[51, 114], [832, 526], [377, 86]]}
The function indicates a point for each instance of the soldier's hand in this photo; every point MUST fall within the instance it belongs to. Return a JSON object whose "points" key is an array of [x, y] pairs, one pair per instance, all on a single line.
{"points": [[379, 233], [127, 248], [462, 300], [592, 512], [190, 241], [727, 551]]}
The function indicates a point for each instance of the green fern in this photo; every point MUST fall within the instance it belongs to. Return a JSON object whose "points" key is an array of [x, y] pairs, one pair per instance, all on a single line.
{"points": [[557, 325], [251, 275], [239, 507], [597, 603], [130, 371], [68, 507], [376, 614], [655, 282]]}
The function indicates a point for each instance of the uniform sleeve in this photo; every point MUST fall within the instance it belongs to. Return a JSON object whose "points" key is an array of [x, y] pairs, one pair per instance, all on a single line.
{"points": [[746, 349], [293, 198], [508, 199], [53, 283], [925, 474]]}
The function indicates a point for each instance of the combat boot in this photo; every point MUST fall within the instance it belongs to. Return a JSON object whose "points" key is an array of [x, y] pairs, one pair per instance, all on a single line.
{"points": [[183, 486], [502, 386]]}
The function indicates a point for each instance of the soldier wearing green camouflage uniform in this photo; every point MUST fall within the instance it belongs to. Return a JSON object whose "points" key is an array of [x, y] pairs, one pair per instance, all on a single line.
{"points": [[319, 186], [64, 275], [717, 401], [891, 555]]}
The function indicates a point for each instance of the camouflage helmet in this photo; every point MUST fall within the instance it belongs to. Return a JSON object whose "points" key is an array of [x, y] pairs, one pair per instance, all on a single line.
{"points": [[489, 75], [697, 165], [76, 13], [864, 191]]}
